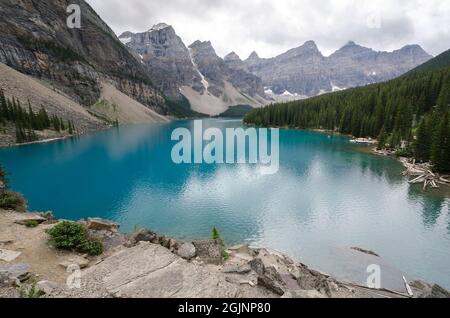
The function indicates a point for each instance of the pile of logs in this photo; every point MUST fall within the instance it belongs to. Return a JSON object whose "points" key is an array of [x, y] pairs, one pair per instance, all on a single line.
{"points": [[422, 173]]}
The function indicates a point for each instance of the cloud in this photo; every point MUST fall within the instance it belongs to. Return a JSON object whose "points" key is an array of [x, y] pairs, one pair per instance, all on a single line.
{"points": [[272, 27]]}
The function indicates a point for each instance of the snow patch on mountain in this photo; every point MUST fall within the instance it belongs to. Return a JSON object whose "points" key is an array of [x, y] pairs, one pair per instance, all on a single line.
{"points": [[125, 41], [335, 88], [203, 78], [286, 96]]}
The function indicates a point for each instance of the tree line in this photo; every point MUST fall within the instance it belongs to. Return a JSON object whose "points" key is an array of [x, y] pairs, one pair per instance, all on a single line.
{"points": [[410, 113], [27, 122]]}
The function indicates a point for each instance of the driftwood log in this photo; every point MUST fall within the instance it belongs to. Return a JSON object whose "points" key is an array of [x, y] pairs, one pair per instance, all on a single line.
{"points": [[422, 173]]}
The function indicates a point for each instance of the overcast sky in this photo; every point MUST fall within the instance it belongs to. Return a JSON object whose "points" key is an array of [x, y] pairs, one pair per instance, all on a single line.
{"points": [[271, 27]]}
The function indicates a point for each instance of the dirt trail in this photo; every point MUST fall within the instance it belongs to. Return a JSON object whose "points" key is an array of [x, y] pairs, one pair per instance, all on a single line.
{"points": [[32, 244]]}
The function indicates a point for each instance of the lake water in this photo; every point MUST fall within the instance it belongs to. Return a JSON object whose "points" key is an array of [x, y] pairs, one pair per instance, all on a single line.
{"points": [[327, 196]]}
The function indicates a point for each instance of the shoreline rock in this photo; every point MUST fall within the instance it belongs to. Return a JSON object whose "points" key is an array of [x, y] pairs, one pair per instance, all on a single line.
{"points": [[145, 264]]}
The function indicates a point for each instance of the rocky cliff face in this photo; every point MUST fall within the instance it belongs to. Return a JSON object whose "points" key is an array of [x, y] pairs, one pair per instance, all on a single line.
{"points": [[231, 69], [306, 72], [167, 58], [34, 39], [174, 67], [355, 65]]}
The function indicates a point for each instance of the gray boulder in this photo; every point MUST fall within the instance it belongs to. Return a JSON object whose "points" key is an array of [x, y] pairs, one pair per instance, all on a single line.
{"points": [[46, 287], [425, 290], [272, 280], [234, 269], [187, 251], [209, 251], [257, 265], [14, 273], [439, 292], [78, 261], [97, 224], [144, 235]]}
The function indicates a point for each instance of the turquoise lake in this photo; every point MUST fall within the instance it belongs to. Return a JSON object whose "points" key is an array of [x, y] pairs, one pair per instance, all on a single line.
{"points": [[328, 195]]}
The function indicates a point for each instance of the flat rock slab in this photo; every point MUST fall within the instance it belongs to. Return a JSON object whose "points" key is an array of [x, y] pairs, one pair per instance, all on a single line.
{"points": [[349, 265], [15, 271], [8, 256], [98, 224], [151, 271], [31, 218], [79, 261]]}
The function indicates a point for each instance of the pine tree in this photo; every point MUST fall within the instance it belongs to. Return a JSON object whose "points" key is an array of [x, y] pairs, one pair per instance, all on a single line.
{"points": [[422, 145], [69, 123], [440, 154], [216, 236], [382, 139], [444, 97]]}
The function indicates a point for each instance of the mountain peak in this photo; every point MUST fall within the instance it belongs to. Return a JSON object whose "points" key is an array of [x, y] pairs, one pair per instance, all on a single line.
{"points": [[307, 49], [414, 48], [199, 43], [253, 56], [126, 34], [232, 57], [205, 46], [159, 27], [311, 45], [353, 48]]}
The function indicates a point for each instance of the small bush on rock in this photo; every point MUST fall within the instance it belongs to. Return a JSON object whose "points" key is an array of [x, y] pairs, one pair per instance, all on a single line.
{"points": [[73, 236], [10, 200], [13, 201], [68, 235], [31, 223], [30, 292], [93, 247]]}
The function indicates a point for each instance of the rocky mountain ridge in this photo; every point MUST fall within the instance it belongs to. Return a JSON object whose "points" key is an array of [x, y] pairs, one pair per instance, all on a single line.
{"points": [[35, 40], [196, 72], [155, 67], [305, 71], [298, 73]]}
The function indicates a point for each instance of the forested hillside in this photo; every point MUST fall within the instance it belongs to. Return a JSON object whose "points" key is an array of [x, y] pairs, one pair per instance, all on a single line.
{"points": [[412, 108], [26, 122]]}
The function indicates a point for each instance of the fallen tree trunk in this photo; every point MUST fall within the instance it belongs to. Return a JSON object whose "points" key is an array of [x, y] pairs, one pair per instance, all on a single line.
{"points": [[423, 173]]}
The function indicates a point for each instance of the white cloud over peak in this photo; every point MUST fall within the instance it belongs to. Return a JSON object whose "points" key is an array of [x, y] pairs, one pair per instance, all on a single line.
{"points": [[272, 27]]}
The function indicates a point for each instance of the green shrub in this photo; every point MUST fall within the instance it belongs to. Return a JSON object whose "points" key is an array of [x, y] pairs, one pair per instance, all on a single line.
{"points": [[406, 152], [31, 223], [31, 292], [216, 236], [91, 247], [3, 177], [73, 236], [67, 235], [13, 201]]}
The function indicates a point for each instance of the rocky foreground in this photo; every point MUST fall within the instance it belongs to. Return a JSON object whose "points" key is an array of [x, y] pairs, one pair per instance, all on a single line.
{"points": [[148, 265]]}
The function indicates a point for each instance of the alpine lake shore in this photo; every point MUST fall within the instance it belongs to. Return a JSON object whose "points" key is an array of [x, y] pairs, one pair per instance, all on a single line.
{"points": [[148, 265], [145, 264]]}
